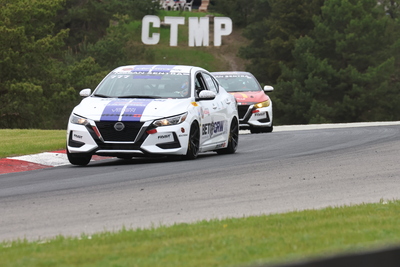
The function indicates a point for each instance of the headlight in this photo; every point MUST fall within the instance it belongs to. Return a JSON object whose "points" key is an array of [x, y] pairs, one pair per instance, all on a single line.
{"points": [[78, 120], [263, 104], [171, 120]]}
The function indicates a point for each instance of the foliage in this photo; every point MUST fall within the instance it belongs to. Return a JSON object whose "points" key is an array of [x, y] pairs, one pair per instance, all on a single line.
{"points": [[274, 28], [240, 11], [88, 20], [345, 70], [50, 49], [330, 61], [29, 50]]}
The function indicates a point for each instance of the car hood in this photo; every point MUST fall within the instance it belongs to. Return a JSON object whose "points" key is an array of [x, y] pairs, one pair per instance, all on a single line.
{"points": [[136, 109], [248, 98]]}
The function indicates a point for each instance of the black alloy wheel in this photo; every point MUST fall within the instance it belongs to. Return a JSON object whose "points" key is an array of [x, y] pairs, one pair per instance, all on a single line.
{"points": [[233, 140], [194, 142]]}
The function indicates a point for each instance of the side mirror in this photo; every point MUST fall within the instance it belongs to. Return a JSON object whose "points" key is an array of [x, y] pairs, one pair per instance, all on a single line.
{"points": [[268, 88], [85, 92], [207, 95]]}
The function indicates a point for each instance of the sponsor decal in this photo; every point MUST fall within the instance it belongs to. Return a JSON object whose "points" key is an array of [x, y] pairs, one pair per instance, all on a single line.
{"points": [[201, 113], [259, 114], [163, 138], [220, 145], [125, 110], [78, 136], [151, 71], [213, 128]]}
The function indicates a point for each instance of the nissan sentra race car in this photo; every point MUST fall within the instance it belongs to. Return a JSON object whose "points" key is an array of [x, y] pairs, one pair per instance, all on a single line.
{"points": [[145, 110], [255, 106]]}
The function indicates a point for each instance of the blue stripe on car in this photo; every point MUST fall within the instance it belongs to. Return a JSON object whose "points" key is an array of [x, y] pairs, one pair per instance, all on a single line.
{"points": [[125, 110], [134, 110]]}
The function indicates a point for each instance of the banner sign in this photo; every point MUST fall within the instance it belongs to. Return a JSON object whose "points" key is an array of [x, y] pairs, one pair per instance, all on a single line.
{"points": [[199, 29]]}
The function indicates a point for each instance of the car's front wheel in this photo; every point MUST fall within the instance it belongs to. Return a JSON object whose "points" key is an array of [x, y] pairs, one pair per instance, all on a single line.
{"points": [[233, 139], [81, 159], [194, 141], [262, 130]]}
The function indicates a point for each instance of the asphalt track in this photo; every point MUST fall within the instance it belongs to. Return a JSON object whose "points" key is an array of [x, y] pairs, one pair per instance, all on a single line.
{"points": [[293, 168]]}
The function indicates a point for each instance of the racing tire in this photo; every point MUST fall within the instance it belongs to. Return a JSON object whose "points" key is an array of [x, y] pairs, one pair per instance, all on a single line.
{"points": [[255, 130], [233, 139], [269, 129], [194, 142], [81, 159], [262, 130]]}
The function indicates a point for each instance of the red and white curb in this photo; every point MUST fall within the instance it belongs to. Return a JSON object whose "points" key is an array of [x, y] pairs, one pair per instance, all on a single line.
{"points": [[36, 161]]}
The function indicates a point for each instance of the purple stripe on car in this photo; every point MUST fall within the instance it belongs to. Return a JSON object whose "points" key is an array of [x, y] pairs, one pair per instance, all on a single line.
{"points": [[134, 110], [113, 110]]}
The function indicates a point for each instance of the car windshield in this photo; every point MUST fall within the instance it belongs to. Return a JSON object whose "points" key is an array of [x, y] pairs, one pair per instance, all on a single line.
{"points": [[238, 82], [144, 85]]}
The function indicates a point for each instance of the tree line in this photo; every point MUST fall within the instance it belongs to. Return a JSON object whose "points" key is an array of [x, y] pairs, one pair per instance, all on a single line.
{"points": [[329, 61], [51, 49]]}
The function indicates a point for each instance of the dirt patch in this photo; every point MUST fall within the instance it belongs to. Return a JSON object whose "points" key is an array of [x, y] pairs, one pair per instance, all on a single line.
{"points": [[228, 51]]}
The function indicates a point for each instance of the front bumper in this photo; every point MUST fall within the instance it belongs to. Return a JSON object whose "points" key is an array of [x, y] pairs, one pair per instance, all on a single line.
{"points": [[136, 139], [249, 117]]}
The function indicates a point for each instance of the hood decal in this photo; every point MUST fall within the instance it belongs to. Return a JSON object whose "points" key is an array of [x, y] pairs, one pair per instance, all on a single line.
{"points": [[125, 110]]}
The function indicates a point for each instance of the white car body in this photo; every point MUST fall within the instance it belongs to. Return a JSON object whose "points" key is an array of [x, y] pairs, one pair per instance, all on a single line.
{"points": [[255, 106], [145, 110]]}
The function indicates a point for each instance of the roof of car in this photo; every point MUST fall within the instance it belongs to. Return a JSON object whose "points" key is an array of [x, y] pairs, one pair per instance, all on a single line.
{"points": [[231, 73], [153, 69]]}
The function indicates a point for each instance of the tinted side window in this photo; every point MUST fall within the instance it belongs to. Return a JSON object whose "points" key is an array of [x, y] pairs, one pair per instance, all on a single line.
{"points": [[211, 83]]}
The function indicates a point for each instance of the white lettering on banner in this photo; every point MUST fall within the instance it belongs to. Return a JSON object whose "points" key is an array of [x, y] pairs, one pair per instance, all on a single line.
{"points": [[198, 30], [155, 38], [174, 22], [219, 31]]}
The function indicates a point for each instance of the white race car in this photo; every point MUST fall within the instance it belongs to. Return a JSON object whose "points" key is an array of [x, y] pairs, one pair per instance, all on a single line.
{"points": [[145, 110], [255, 106]]}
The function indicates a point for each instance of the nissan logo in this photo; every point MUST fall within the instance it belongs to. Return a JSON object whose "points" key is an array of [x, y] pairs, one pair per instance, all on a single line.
{"points": [[119, 126]]}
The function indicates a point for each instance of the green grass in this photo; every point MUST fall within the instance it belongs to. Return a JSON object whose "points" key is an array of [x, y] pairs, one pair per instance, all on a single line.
{"points": [[17, 142], [231, 242]]}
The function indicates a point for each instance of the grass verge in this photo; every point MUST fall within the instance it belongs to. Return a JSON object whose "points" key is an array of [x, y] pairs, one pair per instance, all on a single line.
{"points": [[231, 242], [17, 142]]}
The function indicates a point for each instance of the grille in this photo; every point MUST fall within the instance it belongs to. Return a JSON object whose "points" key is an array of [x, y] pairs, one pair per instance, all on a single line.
{"points": [[242, 109], [128, 134], [103, 146]]}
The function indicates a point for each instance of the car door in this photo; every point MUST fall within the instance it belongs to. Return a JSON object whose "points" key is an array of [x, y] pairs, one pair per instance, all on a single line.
{"points": [[215, 123]]}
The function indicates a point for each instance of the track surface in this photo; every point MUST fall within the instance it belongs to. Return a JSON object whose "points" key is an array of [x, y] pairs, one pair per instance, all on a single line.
{"points": [[274, 172]]}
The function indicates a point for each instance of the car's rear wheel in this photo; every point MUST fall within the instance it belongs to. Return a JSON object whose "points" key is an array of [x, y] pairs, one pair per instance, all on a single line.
{"points": [[194, 142], [233, 139], [81, 159]]}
